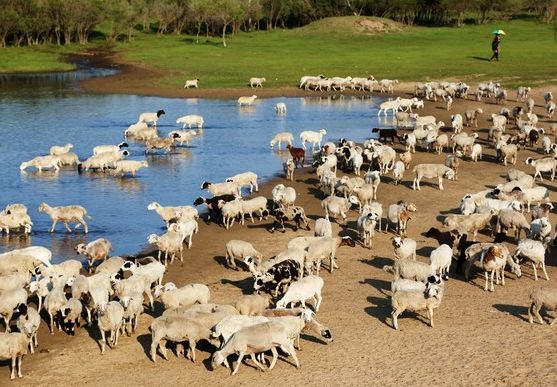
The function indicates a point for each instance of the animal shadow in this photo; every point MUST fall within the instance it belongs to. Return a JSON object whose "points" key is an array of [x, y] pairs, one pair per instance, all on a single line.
{"points": [[378, 262], [246, 284], [145, 341], [380, 309], [479, 58], [380, 285], [517, 311]]}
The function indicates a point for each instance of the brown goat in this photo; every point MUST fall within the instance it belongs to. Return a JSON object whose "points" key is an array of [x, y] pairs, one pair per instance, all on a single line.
{"points": [[298, 154]]}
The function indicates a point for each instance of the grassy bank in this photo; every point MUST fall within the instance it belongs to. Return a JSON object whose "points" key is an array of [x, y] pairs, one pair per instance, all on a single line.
{"points": [[36, 59], [335, 48]]}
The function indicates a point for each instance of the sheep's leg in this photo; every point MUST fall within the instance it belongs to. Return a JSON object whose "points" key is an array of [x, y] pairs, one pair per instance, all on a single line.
{"points": [[67, 227], [536, 309], [491, 288], [544, 271], [430, 315], [85, 226], [535, 271], [14, 363], [486, 281], [103, 341], [440, 183], [275, 357], [394, 316], [116, 336], [254, 359], [240, 358], [192, 344], [53, 225], [318, 300]]}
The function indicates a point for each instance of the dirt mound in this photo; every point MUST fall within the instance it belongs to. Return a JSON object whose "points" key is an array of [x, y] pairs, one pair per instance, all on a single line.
{"points": [[353, 25]]}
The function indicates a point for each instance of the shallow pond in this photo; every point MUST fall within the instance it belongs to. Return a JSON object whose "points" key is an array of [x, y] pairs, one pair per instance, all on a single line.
{"points": [[39, 111]]}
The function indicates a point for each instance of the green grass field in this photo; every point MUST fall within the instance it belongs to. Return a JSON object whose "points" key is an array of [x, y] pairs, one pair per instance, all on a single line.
{"points": [[334, 48], [36, 59]]}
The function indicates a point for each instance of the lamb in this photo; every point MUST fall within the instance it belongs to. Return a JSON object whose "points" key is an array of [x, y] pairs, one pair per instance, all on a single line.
{"points": [[190, 121], [530, 105], [533, 251], [71, 313], [441, 142], [541, 297], [546, 164], [13, 346], [284, 196], [410, 142], [42, 162], [282, 137], [550, 107], [171, 243], [548, 96], [150, 118], [183, 136], [312, 137], [337, 206], [135, 129], [398, 171], [309, 287], [246, 101], [53, 304], [66, 214], [186, 296], [440, 260], [298, 155], [431, 171], [169, 213], [226, 188], [463, 141], [540, 229], [366, 227], [28, 323], [279, 276], [232, 324], [243, 179], [456, 123], [110, 320], [476, 152], [230, 211], [237, 249], [96, 250], [256, 82], [191, 83], [416, 301], [133, 308], [60, 150], [158, 143], [280, 108], [323, 228], [469, 224], [501, 97], [135, 284], [472, 116], [9, 301], [126, 167], [399, 215], [66, 269], [406, 158], [253, 340], [509, 218], [324, 248], [522, 92], [404, 248], [505, 152], [252, 305], [288, 167], [542, 210], [366, 193], [68, 159]]}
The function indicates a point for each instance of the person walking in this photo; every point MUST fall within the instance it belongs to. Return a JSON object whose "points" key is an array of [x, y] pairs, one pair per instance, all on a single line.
{"points": [[495, 47]]}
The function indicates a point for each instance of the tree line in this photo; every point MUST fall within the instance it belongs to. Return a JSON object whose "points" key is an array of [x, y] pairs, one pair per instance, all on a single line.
{"points": [[35, 22]]}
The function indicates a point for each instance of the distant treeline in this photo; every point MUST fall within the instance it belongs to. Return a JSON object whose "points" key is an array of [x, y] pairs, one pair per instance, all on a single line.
{"points": [[34, 22]]}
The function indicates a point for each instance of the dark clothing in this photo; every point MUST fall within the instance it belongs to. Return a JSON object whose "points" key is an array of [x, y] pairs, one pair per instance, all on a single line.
{"points": [[495, 47]]}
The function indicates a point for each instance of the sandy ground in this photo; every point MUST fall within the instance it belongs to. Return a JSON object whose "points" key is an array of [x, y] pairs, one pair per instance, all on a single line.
{"points": [[479, 338]]}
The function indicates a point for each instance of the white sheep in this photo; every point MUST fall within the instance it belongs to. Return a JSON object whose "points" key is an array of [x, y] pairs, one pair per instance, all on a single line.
{"points": [[476, 152], [313, 137], [404, 248], [28, 322], [546, 164], [281, 137], [509, 218], [309, 287], [218, 189], [42, 162], [12, 347], [398, 171], [128, 167], [533, 251], [337, 206], [366, 223], [59, 150], [284, 196], [169, 213], [246, 101], [173, 297], [232, 324], [416, 301], [191, 120], [288, 167], [66, 215], [280, 108], [186, 229], [387, 85], [252, 304], [457, 123], [150, 118], [230, 211], [256, 82], [440, 259], [71, 314], [171, 243], [243, 179], [238, 249], [9, 300], [96, 250], [191, 83], [110, 320], [439, 171], [472, 116], [541, 297], [153, 271], [323, 228]]}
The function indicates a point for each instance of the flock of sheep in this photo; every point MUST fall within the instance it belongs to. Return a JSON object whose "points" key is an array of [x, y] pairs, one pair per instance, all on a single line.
{"points": [[112, 294]]}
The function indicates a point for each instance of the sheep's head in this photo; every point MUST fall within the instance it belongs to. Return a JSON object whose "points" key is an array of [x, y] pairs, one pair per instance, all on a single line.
{"points": [[205, 185], [81, 248], [153, 206], [42, 207], [160, 113], [449, 174], [153, 238], [128, 265], [347, 241], [397, 242], [158, 291]]}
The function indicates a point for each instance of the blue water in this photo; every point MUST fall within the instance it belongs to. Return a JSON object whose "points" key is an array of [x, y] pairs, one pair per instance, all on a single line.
{"points": [[38, 112]]}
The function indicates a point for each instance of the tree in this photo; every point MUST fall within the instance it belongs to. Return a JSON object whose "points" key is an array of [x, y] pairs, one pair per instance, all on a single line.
{"points": [[225, 12]]}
